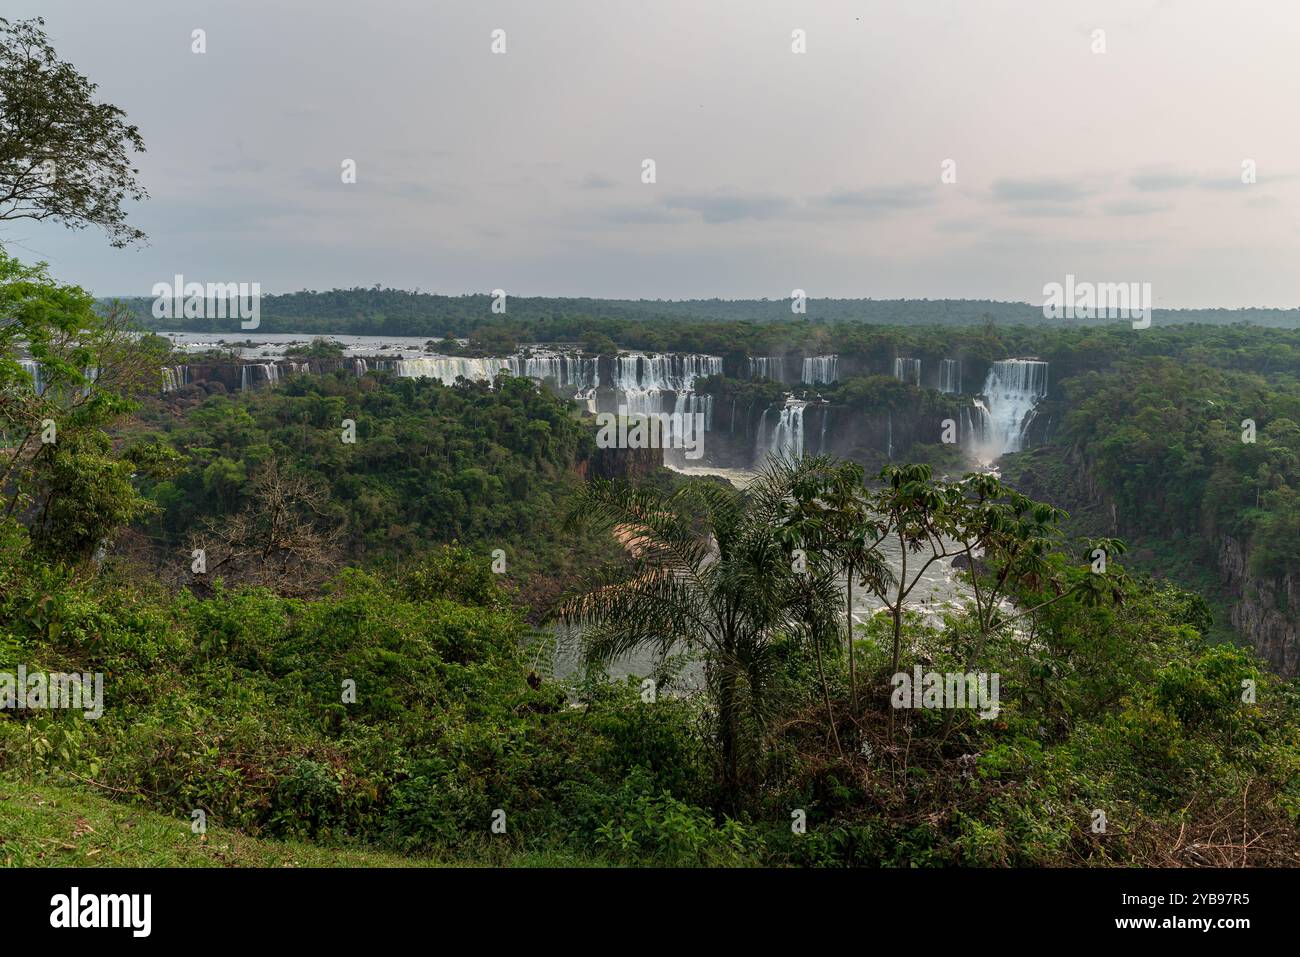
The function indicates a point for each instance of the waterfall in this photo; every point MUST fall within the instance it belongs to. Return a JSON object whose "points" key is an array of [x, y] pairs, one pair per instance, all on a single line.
{"points": [[33, 369], [907, 370], [767, 367], [663, 373], [821, 444], [568, 370], [447, 369], [786, 440], [950, 376], [1011, 392], [819, 369]]}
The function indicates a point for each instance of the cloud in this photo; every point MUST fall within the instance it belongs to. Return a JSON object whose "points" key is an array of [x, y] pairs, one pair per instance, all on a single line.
{"points": [[1038, 191], [729, 207], [597, 181], [1154, 180], [878, 200], [641, 214], [1134, 207], [1165, 178]]}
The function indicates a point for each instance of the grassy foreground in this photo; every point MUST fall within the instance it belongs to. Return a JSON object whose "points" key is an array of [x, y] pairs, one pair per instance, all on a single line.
{"points": [[49, 825], [45, 825]]}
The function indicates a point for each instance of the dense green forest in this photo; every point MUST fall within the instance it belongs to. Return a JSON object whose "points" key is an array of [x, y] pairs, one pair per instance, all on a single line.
{"points": [[351, 671], [330, 612], [491, 464], [397, 312]]}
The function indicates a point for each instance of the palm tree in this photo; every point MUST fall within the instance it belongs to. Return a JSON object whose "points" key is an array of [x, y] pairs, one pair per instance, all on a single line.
{"points": [[709, 575]]}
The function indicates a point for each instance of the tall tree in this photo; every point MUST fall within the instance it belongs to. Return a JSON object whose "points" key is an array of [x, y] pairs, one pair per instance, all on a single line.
{"points": [[63, 155], [710, 575]]}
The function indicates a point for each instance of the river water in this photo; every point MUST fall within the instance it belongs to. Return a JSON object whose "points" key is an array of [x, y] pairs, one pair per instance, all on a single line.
{"points": [[273, 345]]}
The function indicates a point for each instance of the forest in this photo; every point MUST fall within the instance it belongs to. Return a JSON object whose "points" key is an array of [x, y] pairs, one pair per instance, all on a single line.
{"points": [[398, 312], [351, 671], [348, 614]]}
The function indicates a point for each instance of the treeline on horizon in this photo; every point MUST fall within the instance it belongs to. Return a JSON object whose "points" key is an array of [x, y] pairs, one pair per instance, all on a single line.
{"points": [[396, 312]]}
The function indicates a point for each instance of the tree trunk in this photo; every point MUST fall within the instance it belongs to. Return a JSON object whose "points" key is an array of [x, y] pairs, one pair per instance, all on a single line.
{"points": [[826, 696], [729, 735], [853, 661]]}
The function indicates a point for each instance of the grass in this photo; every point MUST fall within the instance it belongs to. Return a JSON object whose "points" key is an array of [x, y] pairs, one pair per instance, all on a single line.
{"points": [[47, 825], [50, 825]]}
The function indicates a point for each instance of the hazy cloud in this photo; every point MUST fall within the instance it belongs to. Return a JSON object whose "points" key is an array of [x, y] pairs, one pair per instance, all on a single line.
{"points": [[728, 207], [1038, 191]]}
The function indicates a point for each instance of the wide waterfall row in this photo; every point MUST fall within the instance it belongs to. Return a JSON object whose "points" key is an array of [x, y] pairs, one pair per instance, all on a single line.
{"points": [[663, 373], [907, 370], [447, 369], [1006, 408], [257, 373], [569, 371], [784, 438], [950, 376], [820, 369]]}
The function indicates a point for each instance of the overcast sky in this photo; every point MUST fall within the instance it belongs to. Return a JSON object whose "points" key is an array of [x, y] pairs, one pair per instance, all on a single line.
{"points": [[775, 170]]}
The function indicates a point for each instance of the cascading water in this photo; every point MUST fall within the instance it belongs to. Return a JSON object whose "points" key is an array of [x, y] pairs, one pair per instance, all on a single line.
{"points": [[819, 369], [950, 376], [786, 438], [1011, 392], [447, 369], [33, 369], [767, 367], [174, 377], [663, 373], [907, 370], [568, 370]]}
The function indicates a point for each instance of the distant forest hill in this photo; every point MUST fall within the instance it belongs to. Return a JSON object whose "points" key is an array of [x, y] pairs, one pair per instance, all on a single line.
{"points": [[398, 312]]}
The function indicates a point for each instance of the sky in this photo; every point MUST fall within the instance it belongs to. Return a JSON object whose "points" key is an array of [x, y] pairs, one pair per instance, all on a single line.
{"points": [[774, 170]]}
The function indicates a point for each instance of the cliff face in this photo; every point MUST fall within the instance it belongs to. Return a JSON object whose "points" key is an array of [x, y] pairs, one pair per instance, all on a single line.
{"points": [[1264, 612], [1261, 612], [620, 463]]}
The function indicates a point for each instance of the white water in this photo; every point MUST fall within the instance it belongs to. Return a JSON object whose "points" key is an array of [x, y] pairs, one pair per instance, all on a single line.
{"points": [[907, 370], [784, 439], [950, 376], [767, 367], [33, 369], [1011, 392], [820, 369]]}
